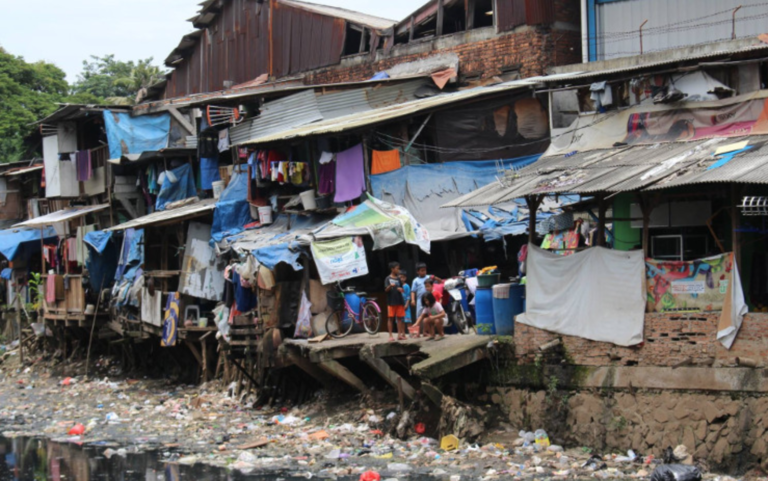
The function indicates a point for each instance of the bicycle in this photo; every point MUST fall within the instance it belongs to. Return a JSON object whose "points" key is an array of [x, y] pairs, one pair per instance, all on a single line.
{"points": [[339, 323]]}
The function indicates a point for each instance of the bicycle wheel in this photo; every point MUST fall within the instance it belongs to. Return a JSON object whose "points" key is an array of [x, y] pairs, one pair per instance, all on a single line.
{"points": [[338, 324], [371, 318]]}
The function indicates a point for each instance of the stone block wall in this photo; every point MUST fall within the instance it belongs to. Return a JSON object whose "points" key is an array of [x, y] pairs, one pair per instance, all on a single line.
{"points": [[670, 339], [727, 432]]}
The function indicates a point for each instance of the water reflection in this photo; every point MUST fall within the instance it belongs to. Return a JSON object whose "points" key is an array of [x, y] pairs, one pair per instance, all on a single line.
{"points": [[25, 459]]}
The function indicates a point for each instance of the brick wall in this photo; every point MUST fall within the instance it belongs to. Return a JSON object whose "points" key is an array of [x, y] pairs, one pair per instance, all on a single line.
{"points": [[669, 340], [533, 49]]}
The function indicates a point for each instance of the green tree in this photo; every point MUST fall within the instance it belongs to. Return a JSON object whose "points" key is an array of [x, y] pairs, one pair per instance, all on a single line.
{"points": [[115, 81], [28, 92]]}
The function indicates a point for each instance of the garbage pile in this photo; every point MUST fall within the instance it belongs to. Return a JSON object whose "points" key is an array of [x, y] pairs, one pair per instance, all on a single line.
{"points": [[327, 438]]}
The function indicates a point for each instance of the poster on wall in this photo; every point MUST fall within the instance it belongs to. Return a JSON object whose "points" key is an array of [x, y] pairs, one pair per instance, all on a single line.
{"points": [[711, 284], [340, 259]]}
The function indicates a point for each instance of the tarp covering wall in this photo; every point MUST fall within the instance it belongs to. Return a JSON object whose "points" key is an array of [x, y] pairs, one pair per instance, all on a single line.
{"points": [[492, 129], [179, 184], [422, 189], [650, 124], [596, 294], [232, 210], [711, 284], [11, 240], [134, 135], [102, 263]]}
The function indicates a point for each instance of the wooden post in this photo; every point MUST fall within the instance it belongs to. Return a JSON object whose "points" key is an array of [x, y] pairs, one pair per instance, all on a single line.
{"points": [[362, 40], [469, 10], [735, 191], [411, 30], [646, 209], [367, 165], [533, 202], [602, 207], [440, 18]]}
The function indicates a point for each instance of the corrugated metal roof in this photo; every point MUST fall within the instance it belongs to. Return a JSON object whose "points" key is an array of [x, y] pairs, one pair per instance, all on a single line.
{"points": [[384, 114], [76, 111], [363, 19], [21, 171], [632, 67], [289, 112], [62, 216], [627, 169], [168, 216]]}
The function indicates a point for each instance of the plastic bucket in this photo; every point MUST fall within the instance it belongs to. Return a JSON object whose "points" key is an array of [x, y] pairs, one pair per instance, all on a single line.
{"points": [[485, 321], [218, 188], [265, 215], [488, 280], [308, 200]]}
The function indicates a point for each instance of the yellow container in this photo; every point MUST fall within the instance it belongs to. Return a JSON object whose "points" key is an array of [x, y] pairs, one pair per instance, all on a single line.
{"points": [[449, 443]]}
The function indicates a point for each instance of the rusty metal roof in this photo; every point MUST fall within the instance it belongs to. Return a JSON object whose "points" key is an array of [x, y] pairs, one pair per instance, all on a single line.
{"points": [[628, 169], [363, 19], [61, 216], [172, 216]]}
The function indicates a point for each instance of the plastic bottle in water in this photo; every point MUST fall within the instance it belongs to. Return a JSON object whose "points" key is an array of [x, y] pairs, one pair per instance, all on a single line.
{"points": [[542, 440]]}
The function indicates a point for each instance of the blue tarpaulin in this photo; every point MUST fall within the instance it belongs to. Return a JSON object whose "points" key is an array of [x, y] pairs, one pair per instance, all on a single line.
{"points": [[6, 273], [132, 256], [135, 135], [232, 210], [102, 264], [179, 184], [98, 240], [271, 256], [11, 240], [209, 173]]}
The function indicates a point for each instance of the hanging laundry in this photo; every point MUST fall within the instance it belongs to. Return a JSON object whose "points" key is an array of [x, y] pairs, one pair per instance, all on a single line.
{"points": [[327, 174], [224, 140], [245, 299], [83, 165], [602, 94], [171, 320], [298, 169], [325, 157], [82, 249], [209, 173], [50, 289], [350, 176], [385, 161], [208, 144]]}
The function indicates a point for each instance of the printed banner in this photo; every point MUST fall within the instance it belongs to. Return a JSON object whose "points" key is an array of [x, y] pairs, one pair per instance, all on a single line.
{"points": [[700, 285], [340, 259]]}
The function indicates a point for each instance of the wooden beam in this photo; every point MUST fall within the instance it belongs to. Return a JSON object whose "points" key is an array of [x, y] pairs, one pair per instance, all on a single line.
{"points": [[182, 120], [312, 369], [433, 393], [735, 201], [440, 18], [533, 202], [363, 36], [392, 378], [335, 369], [195, 352], [602, 208], [411, 30]]}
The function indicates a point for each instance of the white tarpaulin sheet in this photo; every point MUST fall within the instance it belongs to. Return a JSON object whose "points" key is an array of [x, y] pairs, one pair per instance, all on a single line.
{"points": [[596, 294]]}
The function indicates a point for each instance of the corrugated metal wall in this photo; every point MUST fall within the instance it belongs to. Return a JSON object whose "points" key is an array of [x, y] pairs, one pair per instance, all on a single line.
{"points": [[235, 47], [513, 13], [304, 41], [672, 24]]}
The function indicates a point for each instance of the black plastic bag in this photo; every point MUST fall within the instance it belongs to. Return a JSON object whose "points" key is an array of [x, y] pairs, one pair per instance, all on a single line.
{"points": [[676, 472]]}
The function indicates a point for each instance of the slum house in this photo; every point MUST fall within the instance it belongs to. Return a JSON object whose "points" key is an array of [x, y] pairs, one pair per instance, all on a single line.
{"points": [[668, 156]]}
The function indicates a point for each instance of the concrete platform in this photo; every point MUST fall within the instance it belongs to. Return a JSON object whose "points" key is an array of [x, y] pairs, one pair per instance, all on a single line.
{"points": [[439, 357]]}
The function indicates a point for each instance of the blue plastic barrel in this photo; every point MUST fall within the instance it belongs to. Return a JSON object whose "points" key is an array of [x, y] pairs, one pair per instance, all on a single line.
{"points": [[484, 311], [354, 302], [508, 302]]}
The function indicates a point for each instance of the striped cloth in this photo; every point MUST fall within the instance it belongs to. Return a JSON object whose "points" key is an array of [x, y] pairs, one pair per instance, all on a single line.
{"points": [[171, 320]]}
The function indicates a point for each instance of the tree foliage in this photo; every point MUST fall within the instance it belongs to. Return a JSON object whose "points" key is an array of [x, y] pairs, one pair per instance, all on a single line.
{"points": [[115, 81], [28, 92]]}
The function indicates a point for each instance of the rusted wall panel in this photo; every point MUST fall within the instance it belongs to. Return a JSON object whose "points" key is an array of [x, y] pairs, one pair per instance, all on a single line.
{"points": [[510, 14], [539, 12], [234, 47]]}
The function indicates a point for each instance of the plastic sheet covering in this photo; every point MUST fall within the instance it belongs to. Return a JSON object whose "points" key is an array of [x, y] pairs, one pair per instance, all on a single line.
{"points": [[287, 253], [135, 135], [131, 255], [232, 210], [98, 240], [422, 189], [179, 184], [596, 294], [11, 240], [102, 262]]}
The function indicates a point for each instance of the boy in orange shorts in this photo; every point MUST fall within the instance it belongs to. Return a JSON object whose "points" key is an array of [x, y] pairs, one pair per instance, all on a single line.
{"points": [[393, 287]]}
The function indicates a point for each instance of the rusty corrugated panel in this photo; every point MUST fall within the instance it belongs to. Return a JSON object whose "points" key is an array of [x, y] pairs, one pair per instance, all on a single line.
{"points": [[510, 14], [539, 12]]}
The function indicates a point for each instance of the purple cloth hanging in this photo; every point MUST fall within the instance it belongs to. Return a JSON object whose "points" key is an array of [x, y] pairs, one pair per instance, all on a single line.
{"points": [[83, 165], [350, 175], [327, 174]]}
